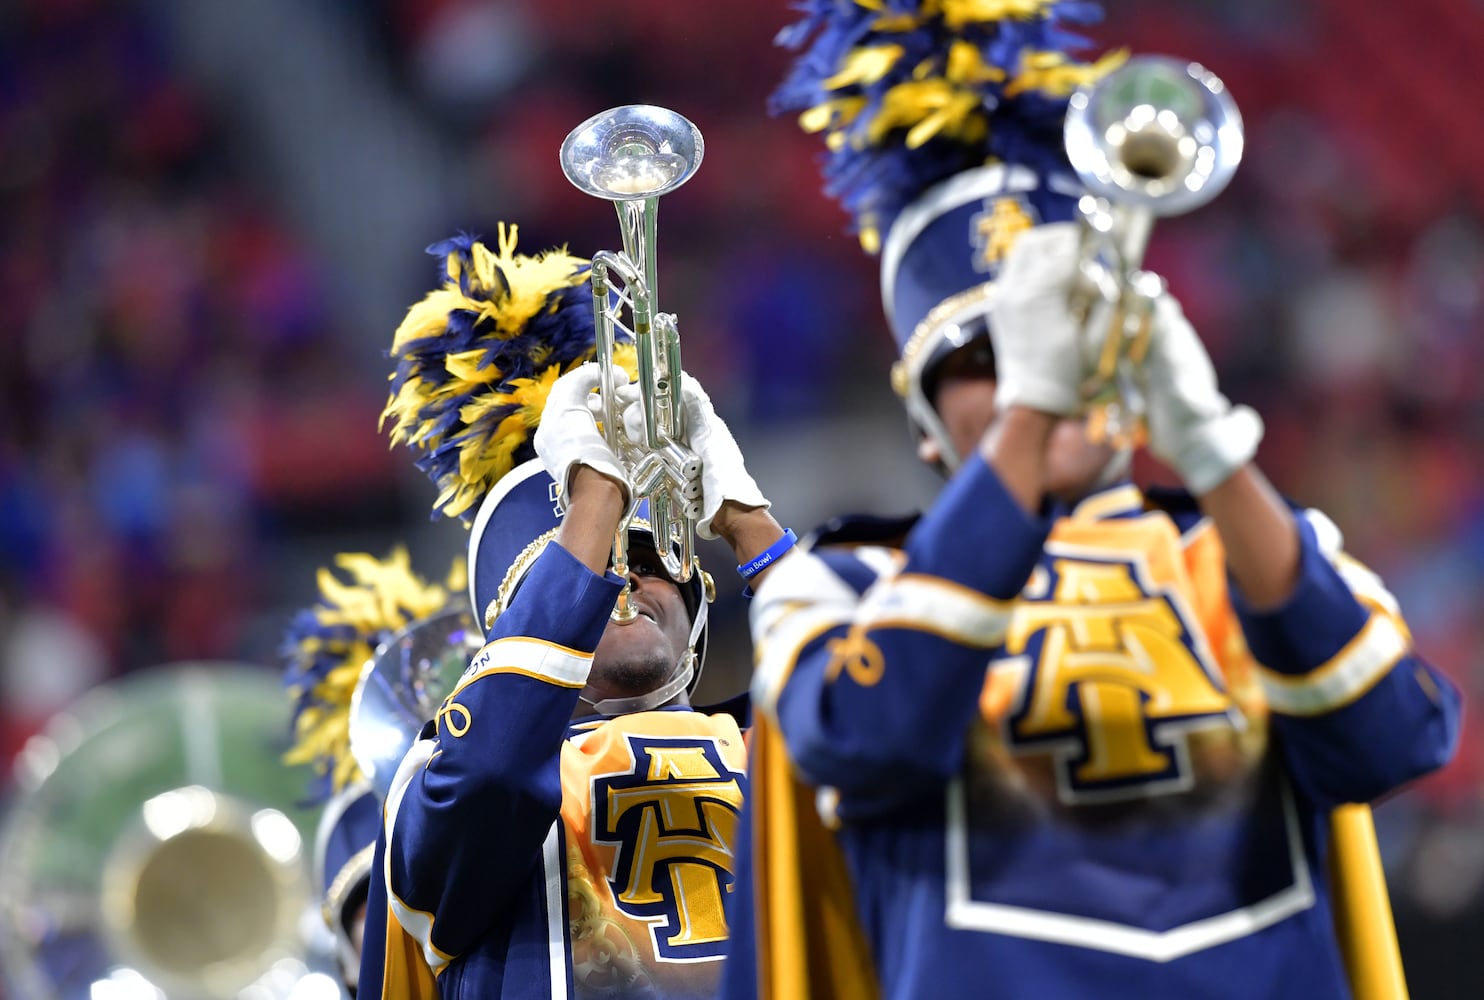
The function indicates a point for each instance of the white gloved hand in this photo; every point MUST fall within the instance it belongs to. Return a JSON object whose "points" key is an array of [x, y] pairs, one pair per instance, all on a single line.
{"points": [[1193, 428], [724, 474], [568, 435], [1037, 341]]}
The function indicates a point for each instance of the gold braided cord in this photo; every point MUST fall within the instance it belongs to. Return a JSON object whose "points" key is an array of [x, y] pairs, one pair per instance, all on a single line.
{"points": [[513, 575], [929, 325]]}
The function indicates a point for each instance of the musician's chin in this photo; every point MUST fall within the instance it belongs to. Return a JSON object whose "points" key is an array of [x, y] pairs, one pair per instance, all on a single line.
{"points": [[640, 641]]}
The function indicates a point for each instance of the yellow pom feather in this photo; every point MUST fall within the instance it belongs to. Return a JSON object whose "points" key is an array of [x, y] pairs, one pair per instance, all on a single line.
{"points": [[332, 645]]}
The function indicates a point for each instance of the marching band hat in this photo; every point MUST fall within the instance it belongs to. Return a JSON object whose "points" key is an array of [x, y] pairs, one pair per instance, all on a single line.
{"points": [[514, 524], [943, 131]]}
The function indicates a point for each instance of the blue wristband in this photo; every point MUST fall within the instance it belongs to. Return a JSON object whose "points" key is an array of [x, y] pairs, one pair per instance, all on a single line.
{"points": [[769, 556]]}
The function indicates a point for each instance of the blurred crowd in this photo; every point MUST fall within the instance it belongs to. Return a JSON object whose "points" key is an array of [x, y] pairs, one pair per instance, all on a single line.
{"points": [[172, 396], [188, 417]]}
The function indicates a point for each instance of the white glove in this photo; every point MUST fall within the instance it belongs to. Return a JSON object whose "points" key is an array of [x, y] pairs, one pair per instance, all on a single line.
{"points": [[568, 434], [724, 474], [1193, 428], [1037, 341]]}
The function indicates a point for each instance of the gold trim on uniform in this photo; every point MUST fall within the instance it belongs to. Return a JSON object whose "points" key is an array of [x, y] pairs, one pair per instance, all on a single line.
{"points": [[1125, 499], [539, 658], [1345, 677], [938, 606], [518, 567]]}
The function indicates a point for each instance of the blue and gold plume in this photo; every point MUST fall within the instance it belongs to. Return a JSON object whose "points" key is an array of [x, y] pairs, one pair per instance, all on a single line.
{"points": [[911, 92], [477, 356], [327, 644]]}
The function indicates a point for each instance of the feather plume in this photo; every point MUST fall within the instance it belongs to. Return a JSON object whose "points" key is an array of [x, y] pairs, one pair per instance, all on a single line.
{"points": [[327, 644], [477, 356], [908, 93]]}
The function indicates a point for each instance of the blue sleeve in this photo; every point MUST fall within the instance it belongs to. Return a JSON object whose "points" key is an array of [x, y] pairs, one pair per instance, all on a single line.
{"points": [[470, 807], [1359, 713], [875, 678]]}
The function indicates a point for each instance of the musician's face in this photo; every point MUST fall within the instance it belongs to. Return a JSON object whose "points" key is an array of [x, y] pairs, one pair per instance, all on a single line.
{"points": [[965, 401], [636, 658]]}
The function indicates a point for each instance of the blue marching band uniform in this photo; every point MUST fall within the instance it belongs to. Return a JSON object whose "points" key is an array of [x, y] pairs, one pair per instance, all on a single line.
{"points": [[1048, 755], [1011, 752], [1135, 793]]}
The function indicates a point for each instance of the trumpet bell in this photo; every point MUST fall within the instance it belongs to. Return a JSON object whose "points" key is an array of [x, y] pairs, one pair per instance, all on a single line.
{"points": [[1158, 133], [632, 152], [402, 687], [154, 848]]}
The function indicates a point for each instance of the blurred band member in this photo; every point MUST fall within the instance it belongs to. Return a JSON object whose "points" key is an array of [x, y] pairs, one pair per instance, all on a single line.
{"points": [[1074, 739], [326, 648]]}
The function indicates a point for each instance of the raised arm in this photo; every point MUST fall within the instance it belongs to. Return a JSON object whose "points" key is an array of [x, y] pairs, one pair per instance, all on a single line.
{"points": [[473, 805], [873, 660], [1359, 711], [733, 508]]}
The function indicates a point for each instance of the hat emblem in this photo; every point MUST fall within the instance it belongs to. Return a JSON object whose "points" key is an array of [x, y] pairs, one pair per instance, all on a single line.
{"points": [[994, 230]]}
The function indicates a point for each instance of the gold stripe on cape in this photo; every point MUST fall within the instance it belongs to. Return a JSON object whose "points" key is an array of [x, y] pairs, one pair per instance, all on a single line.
{"points": [[1361, 907], [809, 942]]}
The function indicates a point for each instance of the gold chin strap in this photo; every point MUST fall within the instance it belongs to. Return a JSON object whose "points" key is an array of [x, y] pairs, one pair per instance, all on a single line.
{"points": [[943, 320]]}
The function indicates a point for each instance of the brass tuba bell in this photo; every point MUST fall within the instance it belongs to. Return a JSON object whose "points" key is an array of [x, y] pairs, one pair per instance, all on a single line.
{"points": [[153, 849]]}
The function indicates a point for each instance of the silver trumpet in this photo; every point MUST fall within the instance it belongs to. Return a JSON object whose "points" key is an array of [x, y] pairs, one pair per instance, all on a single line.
{"points": [[1157, 137], [632, 155]]}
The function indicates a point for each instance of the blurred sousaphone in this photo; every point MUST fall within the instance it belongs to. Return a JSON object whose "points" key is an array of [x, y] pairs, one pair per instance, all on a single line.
{"points": [[152, 849]]}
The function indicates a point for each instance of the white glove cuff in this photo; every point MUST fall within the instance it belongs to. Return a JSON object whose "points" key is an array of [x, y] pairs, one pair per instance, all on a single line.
{"points": [[599, 461], [745, 493], [1215, 450]]}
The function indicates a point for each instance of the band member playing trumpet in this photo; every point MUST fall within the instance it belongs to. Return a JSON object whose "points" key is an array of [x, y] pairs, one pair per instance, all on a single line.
{"points": [[1075, 739], [565, 825]]}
